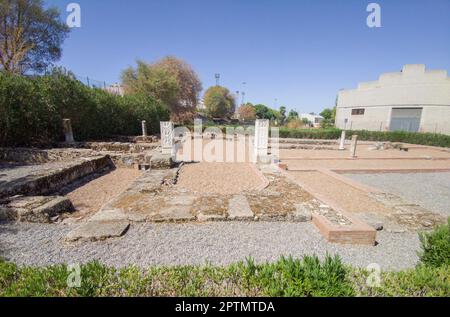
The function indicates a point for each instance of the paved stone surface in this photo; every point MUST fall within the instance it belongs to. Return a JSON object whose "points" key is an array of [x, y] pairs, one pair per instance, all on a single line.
{"points": [[48, 178], [219, 243], [96, 230], [174, 213], [239, 208], [429, 190]]}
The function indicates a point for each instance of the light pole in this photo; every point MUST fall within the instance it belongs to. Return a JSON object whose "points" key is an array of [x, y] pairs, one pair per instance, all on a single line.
{"points": [[243, 92], [217, 76]]}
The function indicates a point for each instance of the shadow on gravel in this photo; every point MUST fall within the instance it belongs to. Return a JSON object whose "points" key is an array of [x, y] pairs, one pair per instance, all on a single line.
{"points": [[5, 229]]}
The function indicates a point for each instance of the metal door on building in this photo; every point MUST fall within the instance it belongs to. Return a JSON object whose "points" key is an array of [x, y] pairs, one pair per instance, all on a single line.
{"points": [[406, 119]]}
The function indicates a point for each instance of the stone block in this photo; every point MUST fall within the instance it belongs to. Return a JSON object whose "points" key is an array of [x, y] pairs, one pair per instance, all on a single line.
{"points": [[96, 230], [161, 161], [302, 213], [35, 209], [174, 213]]}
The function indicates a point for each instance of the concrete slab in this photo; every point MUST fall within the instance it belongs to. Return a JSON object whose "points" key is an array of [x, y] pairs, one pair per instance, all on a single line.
{"points": [[239, 208], [97, 230], [109, 215], [181, 200], [173, 213]]}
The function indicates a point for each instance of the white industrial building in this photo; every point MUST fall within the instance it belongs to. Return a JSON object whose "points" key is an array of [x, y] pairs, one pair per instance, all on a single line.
{"points": [[415, 99], [313, 119]]}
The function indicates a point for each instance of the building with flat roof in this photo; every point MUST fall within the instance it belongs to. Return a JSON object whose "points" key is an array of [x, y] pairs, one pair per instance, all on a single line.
{"points": [[415, 100], [314, 120]]}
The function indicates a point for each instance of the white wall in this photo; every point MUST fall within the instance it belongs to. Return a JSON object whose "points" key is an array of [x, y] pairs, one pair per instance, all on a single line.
{"points": [[413, 87]]}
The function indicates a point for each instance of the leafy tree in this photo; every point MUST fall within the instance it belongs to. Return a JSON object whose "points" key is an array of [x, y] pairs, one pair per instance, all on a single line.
{"points": [[219, 102], [170, 81], [264, 112], [293, 115], [327, 114], [30, 36], [306, 122], [247, 112]]}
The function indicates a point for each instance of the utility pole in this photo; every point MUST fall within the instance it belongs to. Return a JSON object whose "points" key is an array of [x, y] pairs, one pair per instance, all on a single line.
{"points": [[243, 92], [217, 76]]}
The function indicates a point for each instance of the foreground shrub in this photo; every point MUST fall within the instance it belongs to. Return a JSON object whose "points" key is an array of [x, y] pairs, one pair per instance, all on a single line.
{"points": [[436, 246], [32, 109], [420, 282], [293, 277], [286, 277]]}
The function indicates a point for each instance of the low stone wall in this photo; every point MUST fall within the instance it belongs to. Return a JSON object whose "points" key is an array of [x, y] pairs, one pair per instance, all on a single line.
{"points": [[112, 146], [52, 180], [39, 156]]}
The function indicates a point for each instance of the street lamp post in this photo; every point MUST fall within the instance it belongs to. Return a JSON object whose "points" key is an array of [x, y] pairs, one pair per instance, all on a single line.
{"points": [[217, 76]]}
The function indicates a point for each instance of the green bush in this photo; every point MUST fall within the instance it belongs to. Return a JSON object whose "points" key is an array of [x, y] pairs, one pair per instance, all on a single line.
{"points": [[32, 109], [290, 277], [286, 277], [431, 139], [436, 246], [419, 282]]}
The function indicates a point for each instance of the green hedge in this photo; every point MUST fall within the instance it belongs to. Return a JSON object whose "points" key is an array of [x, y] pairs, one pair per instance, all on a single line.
{"points": [[32, 109], [432, 139], [286, 277], [436, 246]]}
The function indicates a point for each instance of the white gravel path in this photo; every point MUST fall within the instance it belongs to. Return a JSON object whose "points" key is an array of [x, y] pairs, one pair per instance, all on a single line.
{"points": [[429, 190], [218, 243]]}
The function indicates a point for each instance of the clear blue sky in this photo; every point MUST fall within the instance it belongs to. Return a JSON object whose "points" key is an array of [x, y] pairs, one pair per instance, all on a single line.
{"points": [[299, 52]]}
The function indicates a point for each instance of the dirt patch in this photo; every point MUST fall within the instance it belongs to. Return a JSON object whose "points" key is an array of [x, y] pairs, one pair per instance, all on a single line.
{"points": [[93, 195], [278, 199], [219, 178], [211, 205]]}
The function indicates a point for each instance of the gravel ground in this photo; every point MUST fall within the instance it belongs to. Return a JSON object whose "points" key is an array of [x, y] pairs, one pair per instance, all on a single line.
{"points": [[429, 190], [219, 243]]}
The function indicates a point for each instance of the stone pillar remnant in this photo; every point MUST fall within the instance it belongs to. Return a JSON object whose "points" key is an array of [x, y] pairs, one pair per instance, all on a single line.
{"points": [[167, 137], [144, 128], [68, 133], [342, 144], [261, 143], [353, 146]]}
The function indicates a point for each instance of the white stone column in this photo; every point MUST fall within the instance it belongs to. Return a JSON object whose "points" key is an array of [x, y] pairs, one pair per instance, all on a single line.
{"points": [[68, 133], [353, 146], [261, 141], [342, 145], [167, 141], [144, 128]]}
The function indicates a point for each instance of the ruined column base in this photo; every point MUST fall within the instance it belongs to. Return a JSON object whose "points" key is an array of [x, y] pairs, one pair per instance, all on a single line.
{"points": [[162, 161]]}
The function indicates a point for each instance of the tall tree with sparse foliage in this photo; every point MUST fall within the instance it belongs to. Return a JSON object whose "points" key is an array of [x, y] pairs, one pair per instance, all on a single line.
{"points": [[247, 112], [31, 36], [170, 81]]}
